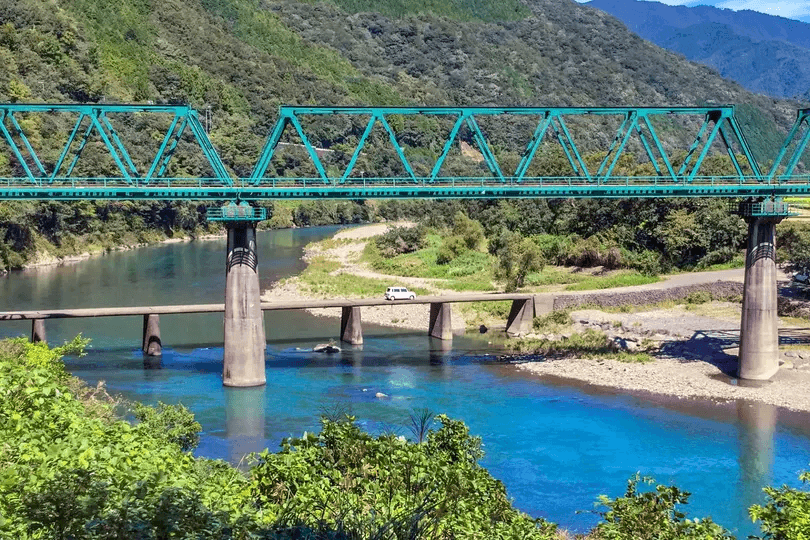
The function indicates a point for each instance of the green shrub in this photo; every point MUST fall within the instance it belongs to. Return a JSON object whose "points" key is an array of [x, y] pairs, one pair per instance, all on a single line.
{"points": [[400, 240], [699, 297], [652, 515], [452, 247], [175, 423], [786, 515]]}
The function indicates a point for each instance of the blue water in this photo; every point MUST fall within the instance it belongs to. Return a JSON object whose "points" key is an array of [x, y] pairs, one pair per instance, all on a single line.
{"points": [[556, 447]]}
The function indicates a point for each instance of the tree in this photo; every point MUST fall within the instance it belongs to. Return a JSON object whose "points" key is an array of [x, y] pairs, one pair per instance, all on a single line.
{"points": [[517, 257]]}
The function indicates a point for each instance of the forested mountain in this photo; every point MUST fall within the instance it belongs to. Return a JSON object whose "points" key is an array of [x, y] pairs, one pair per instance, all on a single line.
{"points": [[764, 53], [243, 58]]}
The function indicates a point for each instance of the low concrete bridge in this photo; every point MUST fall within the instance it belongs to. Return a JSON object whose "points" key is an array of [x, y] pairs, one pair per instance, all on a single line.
{"points": [[351, 330]]}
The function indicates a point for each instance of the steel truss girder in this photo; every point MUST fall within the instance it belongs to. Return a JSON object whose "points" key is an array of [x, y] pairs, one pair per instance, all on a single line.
{"points": [[95, 119], [551, 121]]}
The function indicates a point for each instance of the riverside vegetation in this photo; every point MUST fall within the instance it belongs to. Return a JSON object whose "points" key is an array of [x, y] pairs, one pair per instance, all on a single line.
{"points": [[71, 467]]}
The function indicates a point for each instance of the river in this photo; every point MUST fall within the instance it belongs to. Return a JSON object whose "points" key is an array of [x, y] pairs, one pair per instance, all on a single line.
{"points": [[555, 446]]}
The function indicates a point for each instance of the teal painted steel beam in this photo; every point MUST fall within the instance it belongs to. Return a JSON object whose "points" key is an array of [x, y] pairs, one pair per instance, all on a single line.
{"points": [[306, 189]]}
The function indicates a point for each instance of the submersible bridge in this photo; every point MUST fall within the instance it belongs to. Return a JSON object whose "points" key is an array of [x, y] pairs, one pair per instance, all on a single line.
{"points": [[102, 157]]}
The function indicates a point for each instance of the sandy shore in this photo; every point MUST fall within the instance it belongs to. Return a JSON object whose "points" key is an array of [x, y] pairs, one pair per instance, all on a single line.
{"points": [[696, 348]]}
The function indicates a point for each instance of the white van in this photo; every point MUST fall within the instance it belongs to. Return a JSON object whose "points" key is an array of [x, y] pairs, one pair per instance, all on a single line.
{"points": [[399, 293]]}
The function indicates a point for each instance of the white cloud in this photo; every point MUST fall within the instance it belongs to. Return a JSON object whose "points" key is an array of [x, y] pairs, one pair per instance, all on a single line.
{"points": [[792, 9]]}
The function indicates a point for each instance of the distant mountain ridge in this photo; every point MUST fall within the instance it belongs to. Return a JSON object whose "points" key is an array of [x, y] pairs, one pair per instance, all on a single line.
{"points": [[764, 53]]}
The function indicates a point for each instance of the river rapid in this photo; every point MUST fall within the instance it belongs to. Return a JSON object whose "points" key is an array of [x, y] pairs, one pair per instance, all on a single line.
{"points": [[556, 446]]}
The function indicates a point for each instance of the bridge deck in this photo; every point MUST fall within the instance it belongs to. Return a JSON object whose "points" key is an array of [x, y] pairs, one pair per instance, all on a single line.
{"points": [[266, 306]]}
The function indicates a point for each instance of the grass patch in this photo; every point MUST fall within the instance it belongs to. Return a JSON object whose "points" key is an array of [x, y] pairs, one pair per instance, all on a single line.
{"points": [[554, 275], [422, 263], [609, 282], [588, 344], [553, 322], [318, 279], [478, 313]]}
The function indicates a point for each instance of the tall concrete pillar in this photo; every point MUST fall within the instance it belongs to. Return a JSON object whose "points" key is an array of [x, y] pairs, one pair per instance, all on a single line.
{"points": [[243, 362], [152, 345], [759, 337], [351, 327]]}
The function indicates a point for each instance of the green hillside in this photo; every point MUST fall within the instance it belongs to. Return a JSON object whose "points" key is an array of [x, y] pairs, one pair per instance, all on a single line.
{"points": [[243, 58]]}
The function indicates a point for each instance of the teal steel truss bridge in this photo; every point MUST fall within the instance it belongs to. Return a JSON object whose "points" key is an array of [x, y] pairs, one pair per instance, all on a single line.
{"points": [[114, 151]]}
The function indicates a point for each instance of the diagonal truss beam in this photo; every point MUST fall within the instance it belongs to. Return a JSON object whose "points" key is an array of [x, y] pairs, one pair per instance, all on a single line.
{"points": [[797, 141]]}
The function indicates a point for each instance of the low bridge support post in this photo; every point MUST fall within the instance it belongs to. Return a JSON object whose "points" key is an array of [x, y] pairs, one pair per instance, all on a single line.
{"points": [[351, 328], [151, 344], [243, 361], [759, 337], [520, 317], [38, 331], [441, 321]]}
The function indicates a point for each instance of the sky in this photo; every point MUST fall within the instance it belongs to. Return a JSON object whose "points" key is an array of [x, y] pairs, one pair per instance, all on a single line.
{"points": [[792, 9]]}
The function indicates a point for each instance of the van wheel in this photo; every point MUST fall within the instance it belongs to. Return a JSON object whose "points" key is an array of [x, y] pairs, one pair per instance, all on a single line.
{"points": [[412, 297]]}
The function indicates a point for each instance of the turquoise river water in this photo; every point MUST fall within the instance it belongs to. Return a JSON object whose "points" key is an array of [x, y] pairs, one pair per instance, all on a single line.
{"points": [[556, 446]]}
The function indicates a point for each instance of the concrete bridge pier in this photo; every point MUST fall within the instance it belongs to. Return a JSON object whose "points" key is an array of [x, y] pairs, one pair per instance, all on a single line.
{"points": [[38, 331], [243, 362], [441, 321], [521, 317], [759, 337], [351, 328], [152, 345]]}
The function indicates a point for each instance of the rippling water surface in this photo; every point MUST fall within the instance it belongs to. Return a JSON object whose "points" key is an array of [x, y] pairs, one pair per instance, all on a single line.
{"points": [[555, 446]]}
